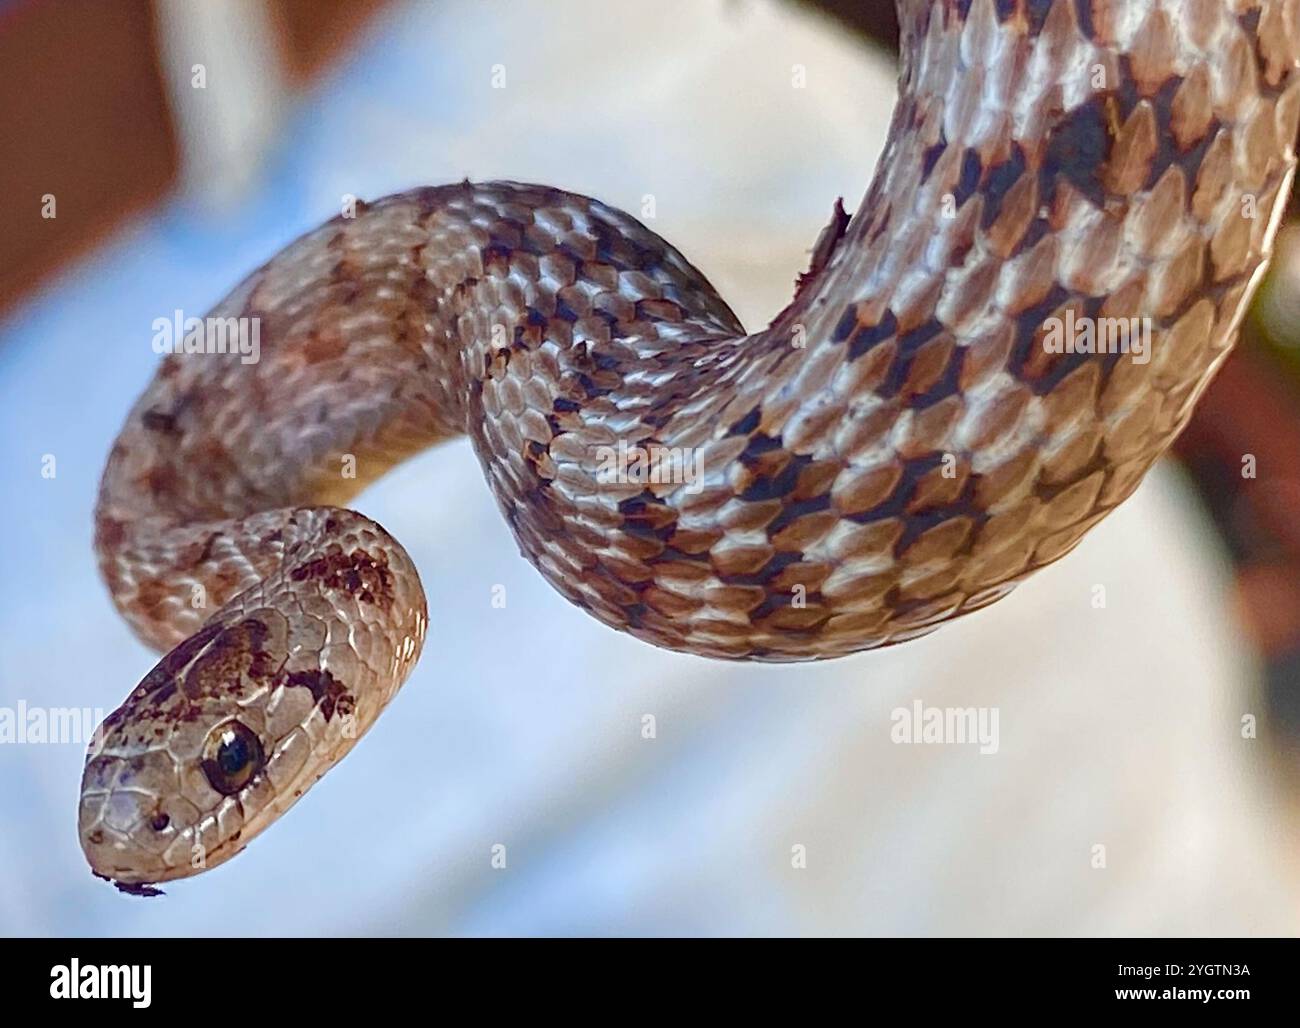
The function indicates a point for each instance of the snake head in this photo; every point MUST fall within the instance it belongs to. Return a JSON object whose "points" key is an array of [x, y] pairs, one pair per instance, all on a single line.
{"points": [[213, 745]]}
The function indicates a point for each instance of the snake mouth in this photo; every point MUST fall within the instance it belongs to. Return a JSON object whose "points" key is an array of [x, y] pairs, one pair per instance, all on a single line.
{"points": [[145, 889], [136, 861]]}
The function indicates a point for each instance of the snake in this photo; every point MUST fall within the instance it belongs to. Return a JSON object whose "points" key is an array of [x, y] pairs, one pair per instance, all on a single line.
{"points": [[910, 438]]}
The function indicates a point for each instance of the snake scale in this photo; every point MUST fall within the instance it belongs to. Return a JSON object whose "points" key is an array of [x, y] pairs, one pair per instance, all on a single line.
{"points": [[899, 447]]}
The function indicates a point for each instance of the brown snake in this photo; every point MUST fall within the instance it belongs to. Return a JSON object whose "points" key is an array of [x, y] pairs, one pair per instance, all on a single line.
{"points": [[900, 447]]}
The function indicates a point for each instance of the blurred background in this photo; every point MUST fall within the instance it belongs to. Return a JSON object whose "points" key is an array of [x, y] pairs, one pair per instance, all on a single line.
{"points": [[155, 152]]}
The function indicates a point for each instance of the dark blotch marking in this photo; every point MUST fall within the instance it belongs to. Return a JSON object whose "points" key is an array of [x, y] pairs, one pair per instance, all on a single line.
{"points": [[920, 522], [363, 574], [1077, 147], [648, 517], [163, 675], [1028, 323], [327, 691], [911, 341], [999, 182], [865, 339], [760, 444], [1036, 12], [746, 424], [779, 562], [590, 388], [945, 385], [908, 344], [1083, 9], [1167, 149], [155, 420], [238, 652], [496, 260], [635, 613], [208, 544], [798, 509], [847, 323], [1038, 228], [495, 363], [163, 694], [971, 169], [895, 504], [931, 158], [779, 485], [637, 504]]}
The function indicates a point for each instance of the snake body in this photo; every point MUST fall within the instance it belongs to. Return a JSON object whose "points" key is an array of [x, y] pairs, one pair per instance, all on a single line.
{"points": [[898, 448]]}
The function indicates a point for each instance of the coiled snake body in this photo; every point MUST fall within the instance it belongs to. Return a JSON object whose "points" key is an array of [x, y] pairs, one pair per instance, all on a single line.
{"points": [[900, 447]]}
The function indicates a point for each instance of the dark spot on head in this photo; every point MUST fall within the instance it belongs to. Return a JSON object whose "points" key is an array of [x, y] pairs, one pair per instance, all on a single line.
{"points": [[159, 421], [361, 573], [238, 653], [327, 691], [164, 672], [163, 694]]}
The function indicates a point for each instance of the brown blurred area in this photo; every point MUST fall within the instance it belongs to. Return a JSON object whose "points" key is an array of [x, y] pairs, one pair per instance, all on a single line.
{"points": [[86, 119], [88, 122]]}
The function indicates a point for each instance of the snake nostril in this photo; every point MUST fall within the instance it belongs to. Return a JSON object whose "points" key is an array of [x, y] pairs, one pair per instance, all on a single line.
{"points": [[160, 822]]}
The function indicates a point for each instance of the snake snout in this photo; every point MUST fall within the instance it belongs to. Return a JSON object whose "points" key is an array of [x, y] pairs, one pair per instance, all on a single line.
{"points": [[131, 829]]}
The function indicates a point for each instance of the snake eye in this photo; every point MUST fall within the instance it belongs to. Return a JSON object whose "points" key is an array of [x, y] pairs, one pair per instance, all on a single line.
{"points": [[231, 756]]}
